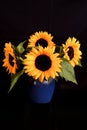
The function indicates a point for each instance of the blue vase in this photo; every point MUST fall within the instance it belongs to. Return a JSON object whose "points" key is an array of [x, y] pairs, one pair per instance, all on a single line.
{"points": [[42, 92]]}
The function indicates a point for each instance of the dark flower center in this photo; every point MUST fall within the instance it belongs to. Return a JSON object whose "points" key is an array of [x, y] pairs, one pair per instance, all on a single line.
{"points": [[43, 62], [11, 60], [71, 53], [41, 42]]}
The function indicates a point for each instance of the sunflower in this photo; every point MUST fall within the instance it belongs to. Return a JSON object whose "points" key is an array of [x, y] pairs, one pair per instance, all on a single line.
{"points": [[72, 51], [42, 63], [41, 38], [10, 59]]}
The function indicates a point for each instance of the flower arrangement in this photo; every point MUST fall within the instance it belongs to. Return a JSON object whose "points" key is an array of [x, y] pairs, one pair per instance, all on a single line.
{"points": [[42, 58]]}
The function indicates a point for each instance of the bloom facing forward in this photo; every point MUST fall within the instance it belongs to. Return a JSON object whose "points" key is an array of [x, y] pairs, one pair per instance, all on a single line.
{"points": [[42, 63], [72, 51], [41, 38], [10, 59]]}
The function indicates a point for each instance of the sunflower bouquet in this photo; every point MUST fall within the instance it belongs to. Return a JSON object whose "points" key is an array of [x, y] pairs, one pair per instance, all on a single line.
{"points": [[42, 59]]}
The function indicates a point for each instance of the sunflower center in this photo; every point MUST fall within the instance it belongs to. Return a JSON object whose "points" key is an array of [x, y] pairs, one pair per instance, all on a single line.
{"points": [[43, 62], [41, 42], [11, 60], [71, 53]]}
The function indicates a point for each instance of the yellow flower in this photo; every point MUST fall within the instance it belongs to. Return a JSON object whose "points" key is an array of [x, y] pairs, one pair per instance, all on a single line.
{"points": [[10, 59], [41, 38], [72, 51], [42, 63]]}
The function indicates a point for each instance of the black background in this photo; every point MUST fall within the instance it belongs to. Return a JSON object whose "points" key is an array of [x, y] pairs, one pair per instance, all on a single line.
{"points": [[61, 18]]}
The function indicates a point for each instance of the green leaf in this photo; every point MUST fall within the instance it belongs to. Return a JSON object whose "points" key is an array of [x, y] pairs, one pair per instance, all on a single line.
{"points": [[57, 49], [68, 72], [14, 79], [20, 47], [80, 64]]}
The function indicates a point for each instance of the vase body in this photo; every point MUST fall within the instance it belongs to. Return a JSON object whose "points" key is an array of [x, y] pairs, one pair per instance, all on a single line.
{"points": [[42, 92]]}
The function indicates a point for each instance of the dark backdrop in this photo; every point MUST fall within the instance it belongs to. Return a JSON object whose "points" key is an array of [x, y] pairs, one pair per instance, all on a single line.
{"points": [[61, 18]]}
